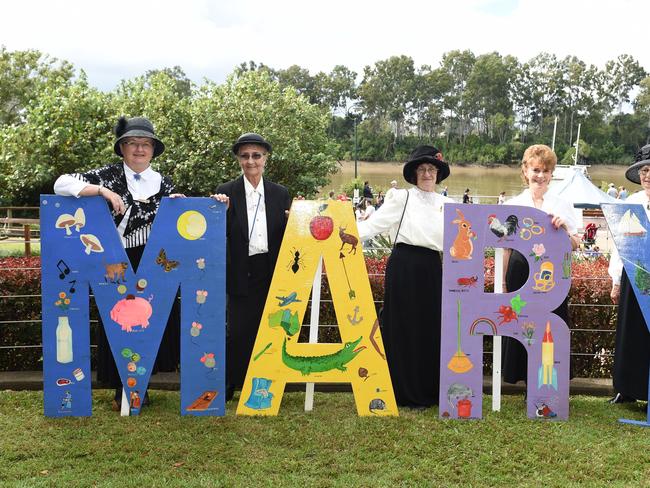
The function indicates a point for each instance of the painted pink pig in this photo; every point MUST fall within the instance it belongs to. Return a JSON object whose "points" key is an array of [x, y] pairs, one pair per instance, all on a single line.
{"points": [[131, 312]]}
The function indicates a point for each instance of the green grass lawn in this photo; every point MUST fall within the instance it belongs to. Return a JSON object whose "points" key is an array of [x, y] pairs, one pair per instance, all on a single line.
{"points": [[9, 248], [328, 447]]}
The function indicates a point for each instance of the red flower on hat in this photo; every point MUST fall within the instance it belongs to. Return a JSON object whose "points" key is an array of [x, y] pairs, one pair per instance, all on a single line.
{"points": [[438, 156]]}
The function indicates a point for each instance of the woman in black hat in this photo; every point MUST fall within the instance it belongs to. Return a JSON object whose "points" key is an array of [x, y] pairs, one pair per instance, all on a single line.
{"points": [[255, 223], [411, 314], [134, 191], [632, 350]]}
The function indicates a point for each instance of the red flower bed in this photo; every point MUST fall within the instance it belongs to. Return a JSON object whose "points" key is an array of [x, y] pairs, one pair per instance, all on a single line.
{"points": [[589, 298]]}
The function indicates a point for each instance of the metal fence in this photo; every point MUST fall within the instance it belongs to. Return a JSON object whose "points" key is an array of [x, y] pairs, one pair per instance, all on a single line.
{"points": [[17, 244]]}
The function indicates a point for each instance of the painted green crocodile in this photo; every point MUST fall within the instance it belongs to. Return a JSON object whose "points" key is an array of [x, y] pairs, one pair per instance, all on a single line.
{"points": [[317, 364]]}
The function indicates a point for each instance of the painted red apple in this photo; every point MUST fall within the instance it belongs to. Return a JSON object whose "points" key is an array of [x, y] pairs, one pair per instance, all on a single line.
{"points": [[321, 226]]}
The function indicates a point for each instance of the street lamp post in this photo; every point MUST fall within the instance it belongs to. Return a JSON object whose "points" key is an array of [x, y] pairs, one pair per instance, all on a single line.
{"points": [[354, 111]]}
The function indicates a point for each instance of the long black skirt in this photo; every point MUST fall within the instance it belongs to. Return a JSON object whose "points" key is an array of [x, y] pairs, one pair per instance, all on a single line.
{"points": [[244, 315], [411, 324], [168, 357], [514, 356], [632, 353]]}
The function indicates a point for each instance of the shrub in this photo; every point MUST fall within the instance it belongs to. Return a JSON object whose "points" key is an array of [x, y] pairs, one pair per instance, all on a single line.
{"points": [[590, 308]]}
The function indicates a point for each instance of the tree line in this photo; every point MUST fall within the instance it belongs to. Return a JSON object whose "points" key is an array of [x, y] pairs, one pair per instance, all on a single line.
{"points": [[476, 108]]}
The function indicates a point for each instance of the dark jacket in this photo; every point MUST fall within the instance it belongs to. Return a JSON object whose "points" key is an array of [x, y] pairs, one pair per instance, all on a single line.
{"points": [[276, 200]]}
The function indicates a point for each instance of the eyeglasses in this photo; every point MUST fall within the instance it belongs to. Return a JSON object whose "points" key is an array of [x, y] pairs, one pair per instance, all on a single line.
{"points": [[422, 170], [254, 156], [644, 172], [135, 145]]}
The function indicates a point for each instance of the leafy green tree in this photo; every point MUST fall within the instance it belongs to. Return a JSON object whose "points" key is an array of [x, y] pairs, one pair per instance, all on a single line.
{"points": [[458, 65], [621, 75], [387, 90], [66, 128], [302, 159], [23, 74]]}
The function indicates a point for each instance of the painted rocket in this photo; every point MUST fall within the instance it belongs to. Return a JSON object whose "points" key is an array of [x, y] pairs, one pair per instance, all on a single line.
{"points": [[547, 374]]}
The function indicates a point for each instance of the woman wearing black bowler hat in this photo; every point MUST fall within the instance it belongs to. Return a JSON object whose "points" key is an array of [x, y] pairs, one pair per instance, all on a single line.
{"points": [[413, 286], [133, 190], [632, 350], [255, 223]]}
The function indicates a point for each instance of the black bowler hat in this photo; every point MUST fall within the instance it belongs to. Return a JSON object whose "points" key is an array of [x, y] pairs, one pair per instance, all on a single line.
{"points": [[642, 159], [136, 127], [250, 138], [425, 154]]}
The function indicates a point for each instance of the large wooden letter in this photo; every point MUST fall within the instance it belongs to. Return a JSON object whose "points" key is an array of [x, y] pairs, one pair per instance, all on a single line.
{"points": [[318, 229], [81, 249], [469, 313]]}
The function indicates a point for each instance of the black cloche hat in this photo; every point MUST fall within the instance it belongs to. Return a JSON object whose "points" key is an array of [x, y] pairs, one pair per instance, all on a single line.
{"points": [[251, 138], [425, 154], [136, 127]]}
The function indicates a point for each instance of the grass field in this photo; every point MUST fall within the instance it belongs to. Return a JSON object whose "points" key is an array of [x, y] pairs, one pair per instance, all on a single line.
{"points": [[328, 447], [10, 248]]}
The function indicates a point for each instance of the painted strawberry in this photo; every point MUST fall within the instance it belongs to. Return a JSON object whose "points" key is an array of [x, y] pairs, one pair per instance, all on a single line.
{"points": [[321, 226]]}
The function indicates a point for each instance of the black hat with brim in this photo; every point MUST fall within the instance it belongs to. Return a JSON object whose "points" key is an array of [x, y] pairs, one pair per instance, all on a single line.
{"points": [[136, 127], [642, 159], [251, 138], [425, 154]]}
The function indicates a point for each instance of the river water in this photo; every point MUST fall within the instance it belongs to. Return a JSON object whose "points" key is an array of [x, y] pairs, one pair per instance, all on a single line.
{"points": [[484, 183]]}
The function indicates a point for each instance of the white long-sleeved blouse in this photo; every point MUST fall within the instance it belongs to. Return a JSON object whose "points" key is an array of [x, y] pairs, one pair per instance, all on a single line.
{"points": [[423, 218]]}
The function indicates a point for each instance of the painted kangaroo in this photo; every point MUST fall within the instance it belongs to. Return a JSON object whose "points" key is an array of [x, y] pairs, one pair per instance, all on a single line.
{"points": [[348, 239], [462, 247], [318, 364]]}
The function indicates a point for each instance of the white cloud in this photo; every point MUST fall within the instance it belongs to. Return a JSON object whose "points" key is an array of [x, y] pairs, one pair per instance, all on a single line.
{"points": [[121, 39]]}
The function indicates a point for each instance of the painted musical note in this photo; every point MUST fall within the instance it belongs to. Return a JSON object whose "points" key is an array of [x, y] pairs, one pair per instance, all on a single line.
{"points": [[65, 270], [72, 286]]}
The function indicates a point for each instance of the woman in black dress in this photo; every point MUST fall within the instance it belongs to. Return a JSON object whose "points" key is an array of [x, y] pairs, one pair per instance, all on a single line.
{"points": [[632, 350], [134, 191], [413, 286]]}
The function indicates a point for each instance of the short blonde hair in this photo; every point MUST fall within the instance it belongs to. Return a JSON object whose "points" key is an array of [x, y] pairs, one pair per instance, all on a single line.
{"points": [[538, 153]]}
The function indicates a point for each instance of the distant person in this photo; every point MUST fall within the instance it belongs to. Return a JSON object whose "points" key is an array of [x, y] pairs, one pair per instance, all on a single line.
{"points": [[445, 192], [393, 186], [502, 198], [611, 191], [622, 193], [367, 191], [379, 200], [466, 197], [632, 349], [331, 195]]}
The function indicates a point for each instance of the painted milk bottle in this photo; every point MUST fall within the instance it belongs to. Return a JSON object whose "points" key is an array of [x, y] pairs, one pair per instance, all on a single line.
{"points": [[63, 341]]}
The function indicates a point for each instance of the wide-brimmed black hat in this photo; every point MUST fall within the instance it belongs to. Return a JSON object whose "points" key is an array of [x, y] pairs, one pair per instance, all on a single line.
{"points": [[425, 154], [136, 127], [642, 159], [251, 138]]}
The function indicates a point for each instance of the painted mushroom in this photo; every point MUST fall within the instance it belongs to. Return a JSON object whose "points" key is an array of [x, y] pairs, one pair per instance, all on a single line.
{"points": [[79, 219], [65, 221], [91, 242]]}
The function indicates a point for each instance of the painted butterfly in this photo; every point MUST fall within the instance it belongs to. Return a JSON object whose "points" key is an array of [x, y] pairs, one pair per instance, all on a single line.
{"points": [[167, 264]]}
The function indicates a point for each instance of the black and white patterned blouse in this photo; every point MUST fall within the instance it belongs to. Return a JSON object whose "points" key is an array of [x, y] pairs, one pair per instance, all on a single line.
{"points": [[140, 212]]}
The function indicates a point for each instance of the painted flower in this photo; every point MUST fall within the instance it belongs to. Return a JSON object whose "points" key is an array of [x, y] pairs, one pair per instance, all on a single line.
{"points": [[538, 251], [62, 295]]}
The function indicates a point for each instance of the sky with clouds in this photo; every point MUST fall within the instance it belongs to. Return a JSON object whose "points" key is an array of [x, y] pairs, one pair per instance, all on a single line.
{"points": [[115, 40]]}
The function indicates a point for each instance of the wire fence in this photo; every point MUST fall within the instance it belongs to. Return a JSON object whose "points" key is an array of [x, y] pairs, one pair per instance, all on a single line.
{"points": [[601, 356]]}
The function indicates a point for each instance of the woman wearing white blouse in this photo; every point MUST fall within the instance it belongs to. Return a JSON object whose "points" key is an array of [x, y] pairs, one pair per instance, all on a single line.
{"points": [[537, 167], [411, 314], [632, 350]]}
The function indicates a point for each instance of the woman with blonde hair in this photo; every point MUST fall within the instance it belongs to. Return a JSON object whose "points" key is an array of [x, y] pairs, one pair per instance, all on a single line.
{"points": [[537, 167]]}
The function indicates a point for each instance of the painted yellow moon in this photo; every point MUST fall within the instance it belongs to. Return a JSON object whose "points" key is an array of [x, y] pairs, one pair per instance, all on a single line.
{"points": [[191, 225]]}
